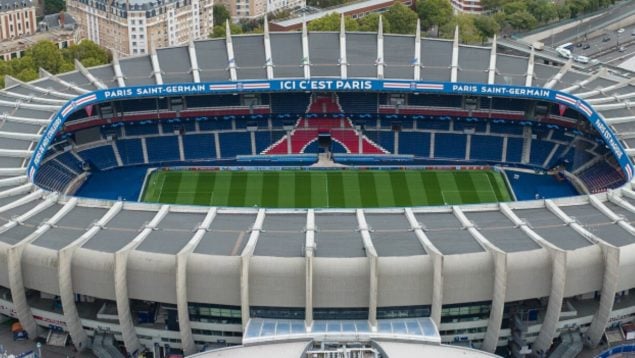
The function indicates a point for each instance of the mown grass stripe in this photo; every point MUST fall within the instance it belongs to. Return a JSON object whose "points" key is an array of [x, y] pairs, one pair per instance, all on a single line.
{"points": [[303, 189], [367, 189], [415, 187], [221, 189], [400, 188], [170, 187], [270, 189], [432, 188], [318, 190], [337, 197], [237, 188], [384, 189], [286, 189], [204, 187], [253, 190], [466, 188], [350, 183]]}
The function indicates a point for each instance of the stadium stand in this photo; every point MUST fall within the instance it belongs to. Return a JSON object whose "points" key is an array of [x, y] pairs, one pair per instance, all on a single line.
{"points": [[130, 151], [162, 149], [199, 146], [102, 157]]}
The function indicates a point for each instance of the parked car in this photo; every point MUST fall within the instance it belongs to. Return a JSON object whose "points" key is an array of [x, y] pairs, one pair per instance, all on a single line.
{"points": [[606, 38], [622, 49], [586, 47], [621, 30]]}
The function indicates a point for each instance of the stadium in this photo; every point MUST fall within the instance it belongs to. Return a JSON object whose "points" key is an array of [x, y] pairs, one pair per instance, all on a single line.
{"points": [[171, 203]]}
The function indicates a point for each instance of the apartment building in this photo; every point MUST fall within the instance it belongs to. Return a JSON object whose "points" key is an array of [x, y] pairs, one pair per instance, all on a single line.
{"points": [[251, 9], [133, 27], [17, 19]]}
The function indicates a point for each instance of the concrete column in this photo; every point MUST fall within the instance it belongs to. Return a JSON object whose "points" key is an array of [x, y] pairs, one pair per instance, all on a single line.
{"points": [[306, 59], [371, 253], [556, 297], [14, 261], [380, 49], [185, 327], [491, 72], [416, 66], [558, 282], [454, 68], [191, 49], [245, 256], [559, 75], [65, 280], [437, 263], [500, 282], [529, 77], [309, 252], [343, 60], [117, 68], [230, 52], [268, 58], [124, 313]]}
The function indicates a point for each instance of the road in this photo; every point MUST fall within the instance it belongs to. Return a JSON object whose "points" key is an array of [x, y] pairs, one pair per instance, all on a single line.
{"points": [[615, 13], [606, 47]]}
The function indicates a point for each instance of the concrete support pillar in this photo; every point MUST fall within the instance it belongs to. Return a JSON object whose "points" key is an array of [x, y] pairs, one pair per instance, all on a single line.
{"points": [[124, 313], [309, 253], [556, 297], [529, 78], [14, 263], [185, 327], [306, 59], [491, 72], [230, 53], [117, 68], [343, 60], [380, 49], [437, 264], [454, 68], [248, 251], [371, 253], [191, 49], [268, 58], [609, 288], [65, 280], [416, 65]]}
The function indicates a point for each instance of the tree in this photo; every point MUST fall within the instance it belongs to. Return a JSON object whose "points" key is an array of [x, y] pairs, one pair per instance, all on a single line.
{"points": [[564, 11], [88, 53], [46, 55], [486, 26], [434, 13], [221, 14], [542, 10], [401, 18], [219, 30], [370, 23], [331, 22], [522, 20], [54, 6], [492, 4]]}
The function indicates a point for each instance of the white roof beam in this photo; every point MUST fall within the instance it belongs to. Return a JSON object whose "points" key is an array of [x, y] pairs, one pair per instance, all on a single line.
{"points": [[454, 68]]}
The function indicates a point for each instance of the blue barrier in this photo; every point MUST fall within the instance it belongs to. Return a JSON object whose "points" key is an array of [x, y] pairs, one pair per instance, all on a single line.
{"points": [[625, 348], [323, 85]]}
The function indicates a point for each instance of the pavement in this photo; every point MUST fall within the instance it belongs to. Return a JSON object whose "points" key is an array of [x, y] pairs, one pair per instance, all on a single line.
{"points": [[47, 351]]}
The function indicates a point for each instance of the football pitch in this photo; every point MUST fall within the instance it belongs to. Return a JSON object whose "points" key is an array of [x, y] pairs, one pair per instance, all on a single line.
{"points": [[325, 188]]}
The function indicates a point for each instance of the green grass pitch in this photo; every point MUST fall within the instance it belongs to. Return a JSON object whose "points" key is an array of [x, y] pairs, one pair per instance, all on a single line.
{"points": [[325, 188]]}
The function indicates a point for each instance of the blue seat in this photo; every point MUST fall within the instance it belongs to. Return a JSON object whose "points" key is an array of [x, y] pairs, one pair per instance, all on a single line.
{"points": [[199, 146], [162, 149]]}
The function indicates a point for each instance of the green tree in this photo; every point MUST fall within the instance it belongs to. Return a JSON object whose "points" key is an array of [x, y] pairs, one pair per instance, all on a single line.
{"points": [[324, 3], [221, 14], [486, 27], [543, 10], [522, 20], [47, 55], [26, 75], [434, 13], [514, 7], [564, 11], [87, 52], [401, 18], [370, 23], [492, 4], [219, 30], [331, 22], [54, 6]]}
